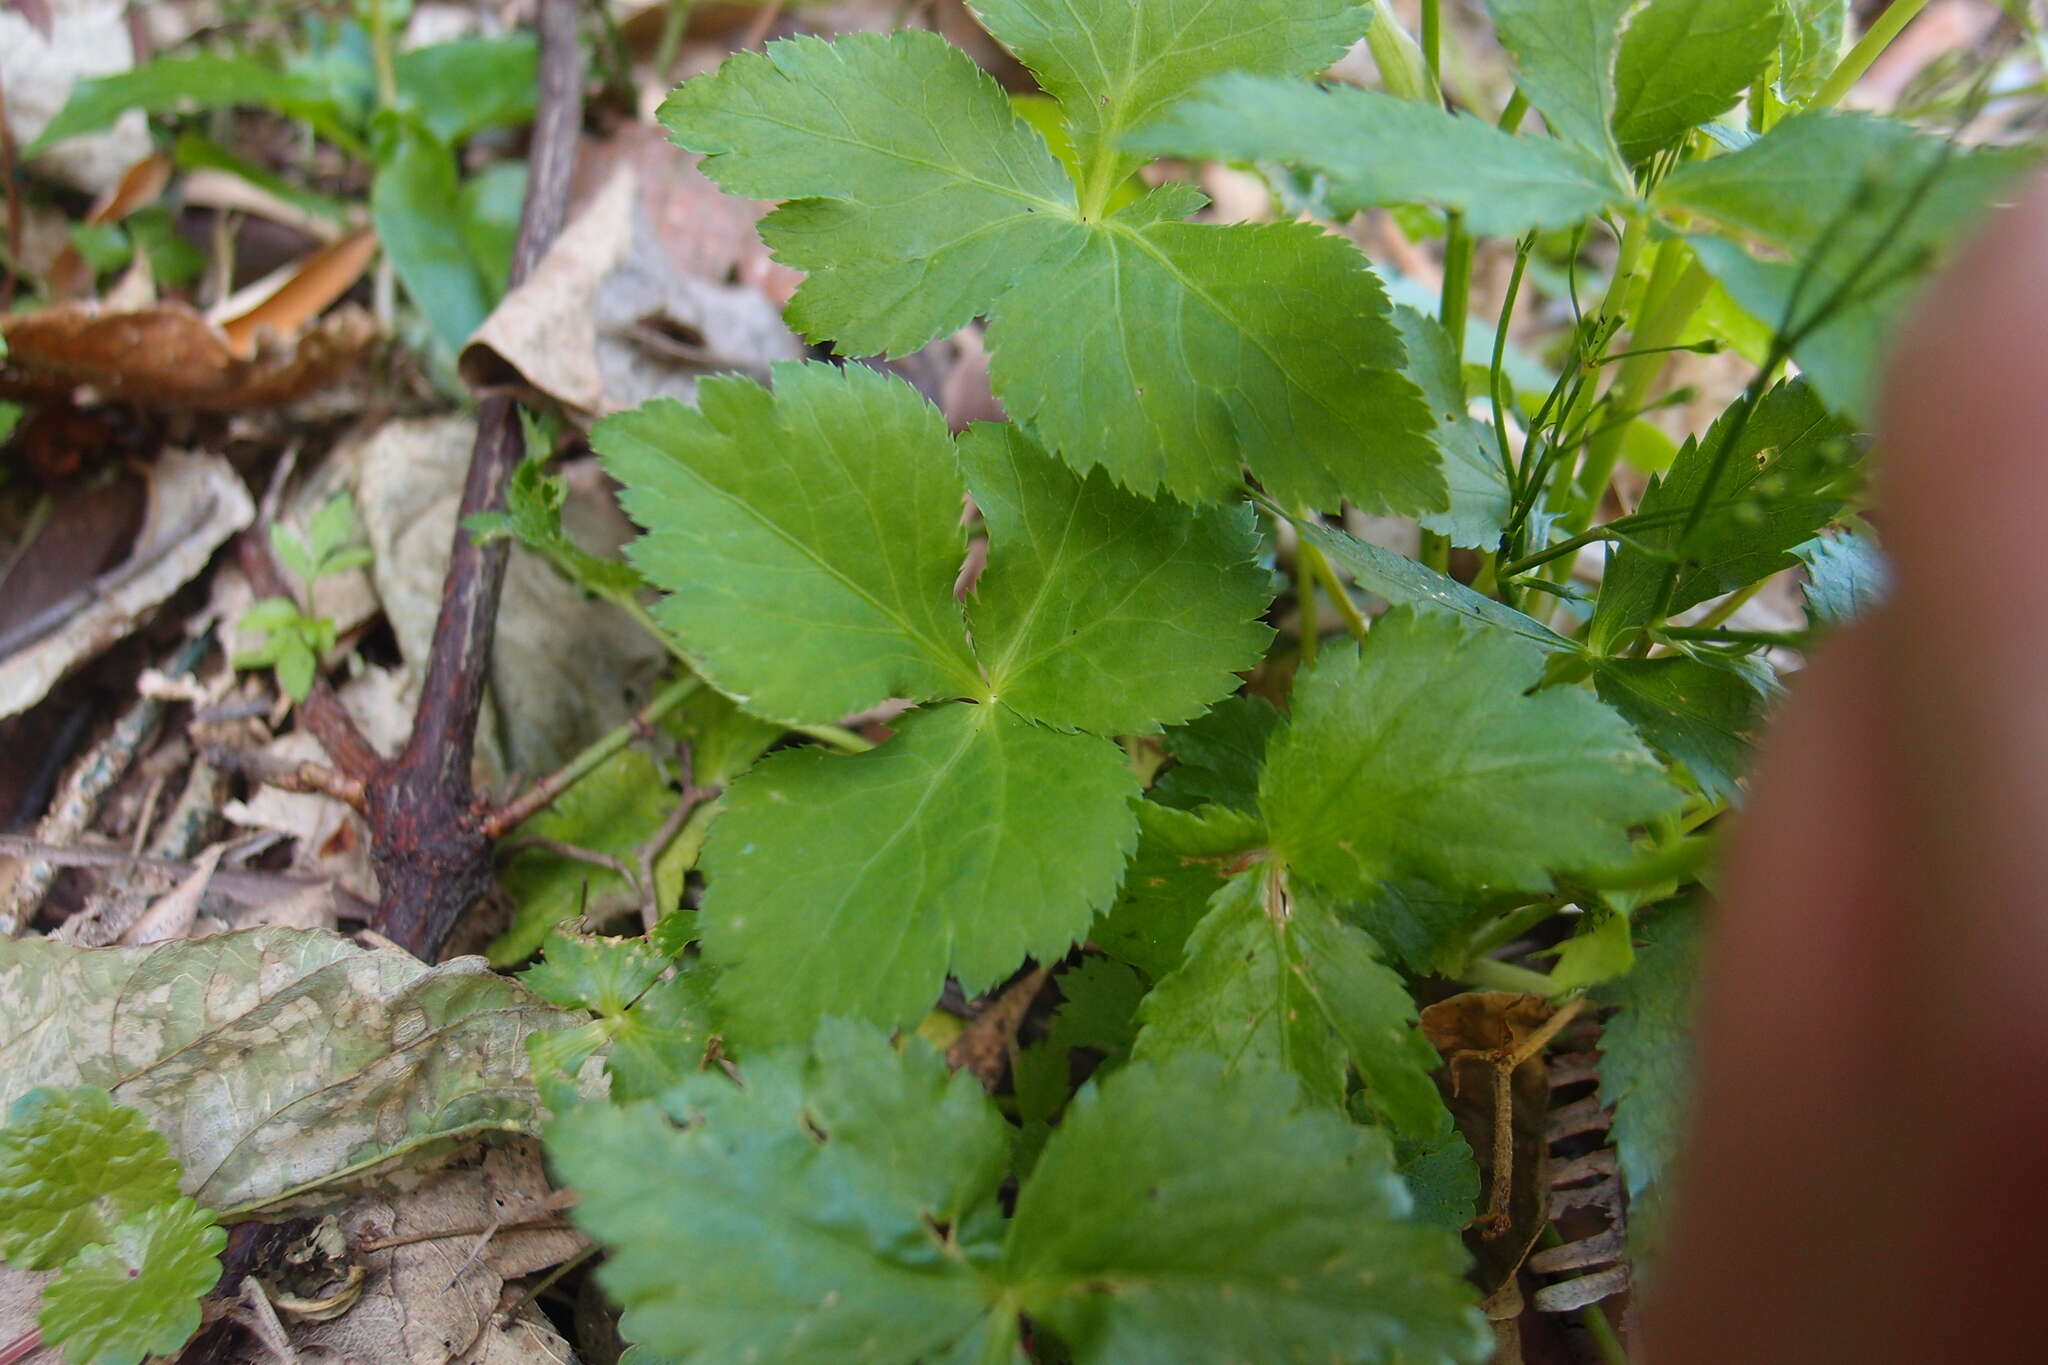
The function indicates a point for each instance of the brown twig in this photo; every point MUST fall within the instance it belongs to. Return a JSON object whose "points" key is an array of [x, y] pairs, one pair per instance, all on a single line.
{"points": [[286, 775]]}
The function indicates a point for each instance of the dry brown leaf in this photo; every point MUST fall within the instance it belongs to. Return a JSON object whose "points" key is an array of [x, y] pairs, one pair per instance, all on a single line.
{"points": [[168, 356], [69, 275], [607, 321], [304, 294], [196, 502]]}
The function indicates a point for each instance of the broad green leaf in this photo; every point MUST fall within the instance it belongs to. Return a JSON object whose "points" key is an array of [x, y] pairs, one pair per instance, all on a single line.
{"points": [[1789, 473], [415, 202], [657, 1031], [1100, 610], [1685, 62], [1565, 53], [852, 886], [1846, 576], [138, 1293], [460, 88], [277, 1061], [1646, 1047], [917, 194], [807, 539], [1170, 353], [1217, 756], [1184, 857], [72, 1165], [1273, 977], [1116, 64], [203, 82], [488, 211], [613, 812], [839, 1206], [1267, 345], [1696, 713], [1262, 1232], [1809, 45], [1404, 582], [1377, 150], [1425, 755], [1480, 501], [1600, 951]]}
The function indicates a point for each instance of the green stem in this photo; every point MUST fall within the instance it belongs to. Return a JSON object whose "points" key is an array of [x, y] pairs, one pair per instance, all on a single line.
{"points": [[674, 25], [1731, 604], [1436, 551], [1719, 635], [1507, 928], [1494, 975], [1867, 50], [1511, 117], [543, 793], [1457, 290], [1557, 551], [1432, 41], [380, 55], [1319, 566]]}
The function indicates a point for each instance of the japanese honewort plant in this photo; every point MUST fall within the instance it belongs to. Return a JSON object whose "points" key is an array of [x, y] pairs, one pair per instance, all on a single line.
{"points": [[1274, 875]]}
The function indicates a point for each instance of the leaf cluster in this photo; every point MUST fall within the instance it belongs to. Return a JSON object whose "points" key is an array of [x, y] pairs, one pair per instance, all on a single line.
{"points": [[293, 641]]}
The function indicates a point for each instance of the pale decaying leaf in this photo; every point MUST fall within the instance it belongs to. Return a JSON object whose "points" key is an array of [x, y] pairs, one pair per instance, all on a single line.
{"points": [[196, 502], [279, 1062], [437, 1260], [86, 38], [607, 320], [564, 670]]}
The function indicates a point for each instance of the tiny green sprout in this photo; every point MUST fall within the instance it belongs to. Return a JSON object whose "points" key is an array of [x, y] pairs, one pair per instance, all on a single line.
{"points": [[293, 640]]}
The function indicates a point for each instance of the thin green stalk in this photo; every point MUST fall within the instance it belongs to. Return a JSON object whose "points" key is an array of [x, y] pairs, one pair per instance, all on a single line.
{"points": [[1867, 50], [1720, 635], [1511, 117], [1457, 290], [674, 25], [1564, 547], [1310, 620], [544, 792], [1494, 975], [1496, 376], [1320, 568], [1731, 604], [1436, 551], [1505, 929], [1432, 42], [380, 55]]}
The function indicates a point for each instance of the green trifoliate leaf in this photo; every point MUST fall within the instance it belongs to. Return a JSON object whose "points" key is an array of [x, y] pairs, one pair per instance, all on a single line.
{"points": [[1790, 470], [852, 886], [73, 1164], [1425, 756], [1262, 1232], [1685, 62], [1565, 53], [1646, 1048], [137, 1294], [277, 1061], [1404, 582], [1693, 712], [1100, 610], [1184, 857], [1116, 64], [841, 1205], [1480, 501], [1374, 149], [1273, 976], [1170, 353], [807, 539], [1846, 576], [1217, 756]]}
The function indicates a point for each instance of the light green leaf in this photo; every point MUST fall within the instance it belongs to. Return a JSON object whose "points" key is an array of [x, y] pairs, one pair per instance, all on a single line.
{"points": [[1646, 1047], [1217, 756], [1116, 66], [276, 1061], [1100, 610], [1809, 45], [1846, 576], [461, 88], [201, 82], [1565, 53], [1184, 857], [1170, 353], [1262, 1232], [1600, 951], [917, 193], [1404, 582], [1480, 501], [1840, 357], [491, 203], [1266, 345], [1272, 975], [1790, 471], [1683, 63], [1374, 149], [1696, 713], [72, 1165], [415, 203], [657, 1030], [840, 1206], [852, 886], [1426, 756], [138, 1293], [614, 812], [807, 540]]}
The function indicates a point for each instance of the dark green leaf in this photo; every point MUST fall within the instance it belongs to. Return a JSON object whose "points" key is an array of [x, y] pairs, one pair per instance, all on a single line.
{"points": [[1646, 1048], [1183, 859], [1565, 53], [1480, 501], [460, 88], [203, 82], [1404, 582], [1683, 63], [416, 204], [1217, 756], [1697, 713]]}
